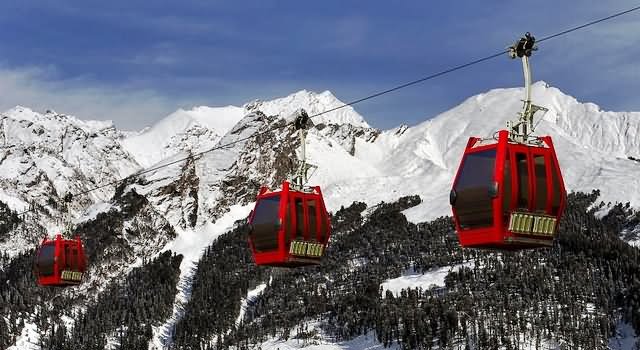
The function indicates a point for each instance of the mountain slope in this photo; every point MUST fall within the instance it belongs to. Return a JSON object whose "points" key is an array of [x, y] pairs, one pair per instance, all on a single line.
{"points": [[592, 148], [184, 207], [184, 130], [313, 103]]}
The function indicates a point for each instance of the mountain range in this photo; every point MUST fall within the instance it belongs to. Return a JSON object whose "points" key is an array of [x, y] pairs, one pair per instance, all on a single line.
{"points": [[185, 207]]}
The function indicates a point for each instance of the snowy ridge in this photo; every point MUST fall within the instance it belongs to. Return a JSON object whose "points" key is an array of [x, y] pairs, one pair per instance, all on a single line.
{"points": [[313, 103], [423, 159], [45, 156], [592, 147], [193, 130], [53, 119]]}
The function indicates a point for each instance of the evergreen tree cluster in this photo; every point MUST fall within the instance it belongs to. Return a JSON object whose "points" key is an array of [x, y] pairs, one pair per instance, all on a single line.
{"points": [[22, 300], [102, 237], [222, 278], [18, 295], [9, 220], [124, 312], [574, 293]]}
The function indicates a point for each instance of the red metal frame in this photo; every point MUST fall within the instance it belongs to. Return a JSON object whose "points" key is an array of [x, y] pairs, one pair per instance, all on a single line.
{"points": [[281, 256], [498, 235], [60, 259]]}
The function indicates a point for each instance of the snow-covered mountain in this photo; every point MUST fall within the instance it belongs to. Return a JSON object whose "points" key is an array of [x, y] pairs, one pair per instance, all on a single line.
{"points": [[193, 130], [593, 147], [355, 162], [45, 156]]}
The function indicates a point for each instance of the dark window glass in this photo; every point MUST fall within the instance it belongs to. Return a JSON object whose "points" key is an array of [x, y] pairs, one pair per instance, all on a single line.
{"points": [[299, 219], [46, 260], [523, 180], [74, 260], [266, 224], [323, 226], [313, 230], [473, 202], [555, 187], [288, 232], [67, 257], [506, 196], [541, 182]]}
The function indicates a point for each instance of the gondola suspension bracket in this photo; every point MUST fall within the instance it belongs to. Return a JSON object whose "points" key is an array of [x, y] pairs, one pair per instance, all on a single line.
{"points": [[521, 130], [299, 179]]}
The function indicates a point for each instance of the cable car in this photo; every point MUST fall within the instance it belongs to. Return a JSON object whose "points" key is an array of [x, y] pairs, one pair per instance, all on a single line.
{"points": [[510, 194], [60, 262], [290, 227]]}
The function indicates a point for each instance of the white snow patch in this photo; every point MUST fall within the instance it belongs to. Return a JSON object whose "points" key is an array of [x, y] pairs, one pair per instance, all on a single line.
{"points": [[625, 337], [191, 243], [28, 338], [413, 280], [251, 296], [92, 212], [15, 204], [322, 341]]}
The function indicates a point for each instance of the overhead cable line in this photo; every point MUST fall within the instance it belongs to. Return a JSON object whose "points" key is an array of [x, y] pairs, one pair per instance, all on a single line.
{"points": [[369, 97]]}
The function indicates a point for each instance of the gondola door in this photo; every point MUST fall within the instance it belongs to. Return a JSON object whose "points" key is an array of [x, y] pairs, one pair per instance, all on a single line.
{"points": [[521, 166], [305, 248], [540, 171], [532, 220]]}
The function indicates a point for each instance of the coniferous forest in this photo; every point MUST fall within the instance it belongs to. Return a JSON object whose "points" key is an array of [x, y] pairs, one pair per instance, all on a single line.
{"points": [[575, 293]]}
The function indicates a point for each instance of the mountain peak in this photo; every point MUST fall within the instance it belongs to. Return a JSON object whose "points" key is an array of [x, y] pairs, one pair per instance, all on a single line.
{"points": [[314, 103], [219, 118], [54, 120], [183, 130]]}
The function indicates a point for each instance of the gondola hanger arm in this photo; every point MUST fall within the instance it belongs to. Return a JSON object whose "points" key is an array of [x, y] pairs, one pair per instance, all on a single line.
{"points": [[521, 130]]}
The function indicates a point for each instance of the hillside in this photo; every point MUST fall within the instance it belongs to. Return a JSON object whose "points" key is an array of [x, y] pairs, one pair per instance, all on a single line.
{"points": [[153, 229]]}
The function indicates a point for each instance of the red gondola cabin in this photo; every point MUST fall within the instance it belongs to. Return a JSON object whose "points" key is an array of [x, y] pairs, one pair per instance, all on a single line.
{"points": [[508, 195], [60, 262], [289, 228]]}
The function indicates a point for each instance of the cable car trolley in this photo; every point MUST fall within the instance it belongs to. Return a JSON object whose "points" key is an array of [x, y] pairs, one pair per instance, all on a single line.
{"points": [[509, 193], [290, 227], [60, 262]]}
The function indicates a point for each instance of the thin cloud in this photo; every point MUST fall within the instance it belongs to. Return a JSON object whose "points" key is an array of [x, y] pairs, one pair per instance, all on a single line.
{"points": [[37, 89]]}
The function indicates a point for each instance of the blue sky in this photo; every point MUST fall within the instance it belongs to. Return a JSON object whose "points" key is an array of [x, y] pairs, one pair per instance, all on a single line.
{"points": [[136, 61]]}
